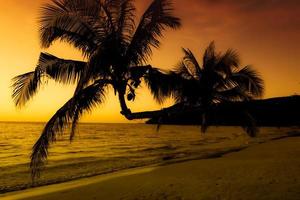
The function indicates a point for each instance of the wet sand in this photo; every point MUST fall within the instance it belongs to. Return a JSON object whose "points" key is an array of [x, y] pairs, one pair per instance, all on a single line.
{"points": [[265, 171]]}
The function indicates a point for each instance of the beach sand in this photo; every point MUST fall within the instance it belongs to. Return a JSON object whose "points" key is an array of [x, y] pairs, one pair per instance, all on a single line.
{"points": [[264, 171]]}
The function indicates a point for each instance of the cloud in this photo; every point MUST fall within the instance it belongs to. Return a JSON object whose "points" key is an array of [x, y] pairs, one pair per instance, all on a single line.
{"points": [[264, 15]]}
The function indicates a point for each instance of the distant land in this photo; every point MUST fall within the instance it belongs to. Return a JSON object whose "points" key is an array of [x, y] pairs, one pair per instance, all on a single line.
{"points": [[278, 112]]}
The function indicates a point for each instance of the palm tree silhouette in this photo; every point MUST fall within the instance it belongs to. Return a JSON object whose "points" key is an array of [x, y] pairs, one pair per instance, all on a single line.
{"points": [[116, 50], [219, 80]]}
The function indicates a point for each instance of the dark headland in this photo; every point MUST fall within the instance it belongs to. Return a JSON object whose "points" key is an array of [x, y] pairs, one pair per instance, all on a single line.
{"points": [[278, 112]]}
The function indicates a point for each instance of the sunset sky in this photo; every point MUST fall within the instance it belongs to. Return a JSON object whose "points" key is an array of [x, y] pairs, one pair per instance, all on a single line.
{"points": [[264, 32]]}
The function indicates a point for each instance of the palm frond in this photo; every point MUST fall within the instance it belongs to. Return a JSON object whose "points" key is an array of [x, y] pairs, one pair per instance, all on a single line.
{"points": [[154, 21], [233, 94], [181, 69], [121, 14], [191, 63], [61, 70], [99, 65], [85, 100], [210, 57], [25, 87], [88, 100], [126, 25], [163, 85], [250, 80], [71, 21], [136, 73], [108, 8], [227, 62]]}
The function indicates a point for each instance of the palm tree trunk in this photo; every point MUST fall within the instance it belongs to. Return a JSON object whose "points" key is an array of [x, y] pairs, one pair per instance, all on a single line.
{"points": [[121, 93], [123, 104], [146, 114], [126, 112], [165, 112]]}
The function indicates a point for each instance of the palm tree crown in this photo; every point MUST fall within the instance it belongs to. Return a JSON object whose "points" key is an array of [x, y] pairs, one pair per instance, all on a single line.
{"points": [[116, 50], [218, 80]]}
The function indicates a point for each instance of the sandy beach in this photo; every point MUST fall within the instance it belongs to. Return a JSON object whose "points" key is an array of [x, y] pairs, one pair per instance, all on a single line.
{"points": [[264, 171]]}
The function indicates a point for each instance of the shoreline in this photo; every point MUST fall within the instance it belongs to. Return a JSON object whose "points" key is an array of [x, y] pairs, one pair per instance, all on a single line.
{"points": [[99, 179], [168, 161], [165, 161]]}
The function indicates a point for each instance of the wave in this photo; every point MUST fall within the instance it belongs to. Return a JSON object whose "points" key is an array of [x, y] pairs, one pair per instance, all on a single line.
{"points": [[107, 152], [94, 169], [160, 148]]}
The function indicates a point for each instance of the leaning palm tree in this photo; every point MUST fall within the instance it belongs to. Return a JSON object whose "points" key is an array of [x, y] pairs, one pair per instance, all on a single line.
{"points": [[116, 50], [201, 88]]}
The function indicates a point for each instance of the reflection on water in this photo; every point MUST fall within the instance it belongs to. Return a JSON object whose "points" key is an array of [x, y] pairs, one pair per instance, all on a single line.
{"points": [[103, 148]]}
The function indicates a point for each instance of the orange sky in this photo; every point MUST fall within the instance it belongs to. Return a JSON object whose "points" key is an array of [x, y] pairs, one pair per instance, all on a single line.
{"points": [[265, 33]]}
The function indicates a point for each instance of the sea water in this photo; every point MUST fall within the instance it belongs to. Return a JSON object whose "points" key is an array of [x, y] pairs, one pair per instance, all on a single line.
{"points": [[106, 148]]}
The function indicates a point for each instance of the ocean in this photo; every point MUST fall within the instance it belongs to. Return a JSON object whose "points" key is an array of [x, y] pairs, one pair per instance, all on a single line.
{"points": [[106, 148]]}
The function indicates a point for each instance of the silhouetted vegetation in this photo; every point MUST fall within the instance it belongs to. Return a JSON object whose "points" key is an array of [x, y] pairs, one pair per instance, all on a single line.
{"points": [[275, 112], [116, 50], [198, 89]]}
